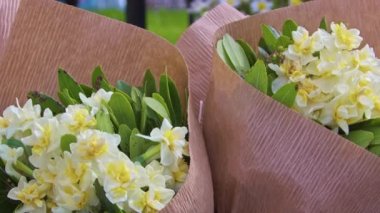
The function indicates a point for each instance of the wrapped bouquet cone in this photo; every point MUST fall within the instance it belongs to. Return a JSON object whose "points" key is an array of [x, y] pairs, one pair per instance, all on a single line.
{"points": [[8, 10], [197, 45], [47, 35], [266, 157]]}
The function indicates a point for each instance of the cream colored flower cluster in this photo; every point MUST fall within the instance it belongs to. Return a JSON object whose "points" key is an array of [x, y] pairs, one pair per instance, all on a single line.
{"points": [[338, 80], [65, 181]]}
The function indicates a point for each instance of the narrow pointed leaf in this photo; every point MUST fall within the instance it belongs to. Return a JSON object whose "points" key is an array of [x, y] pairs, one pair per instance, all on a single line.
{"points": [[288, 27], [157, 107], [286, 94], [65, 81], [258, 76], [103, 122], [270, 36], [149, 84], [66, 140], [236, 54], [361, 137], [323, 24], [122, 110], [223, 55], [46, 102], [248, 52]]}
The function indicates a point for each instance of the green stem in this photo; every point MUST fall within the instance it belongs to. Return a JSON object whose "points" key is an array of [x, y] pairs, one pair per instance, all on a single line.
{"points": [[151, 154], [19, 166]]}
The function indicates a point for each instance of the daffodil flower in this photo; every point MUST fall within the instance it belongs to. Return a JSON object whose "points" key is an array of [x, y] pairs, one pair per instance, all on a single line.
{"points": [[94, 145], [44, 140], [10, 156], [119, 176], [69, 198], [177, 174], [345, 39], [172, 141], [19, 119], [77, 118], [97, 100], [31, 194], [153, 200]]}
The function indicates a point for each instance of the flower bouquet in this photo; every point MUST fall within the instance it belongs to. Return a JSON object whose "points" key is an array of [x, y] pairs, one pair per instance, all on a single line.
{"points": [[266, 157], [101, 147]]}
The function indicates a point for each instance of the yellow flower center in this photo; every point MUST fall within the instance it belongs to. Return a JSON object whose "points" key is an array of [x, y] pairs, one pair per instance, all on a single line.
{"points": [[43, 142], [295, 2], [119, 172], [231, 2], [344, 36], [31, 195], [4, 123], [93, 147], [75, 175], [81, 121], [180, 175], [262, 6], [119, 191], [171, 139]]}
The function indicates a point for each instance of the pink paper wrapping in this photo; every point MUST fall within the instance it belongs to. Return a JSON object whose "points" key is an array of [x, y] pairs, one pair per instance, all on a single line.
{"points": [[46, 35], [265, 157]]}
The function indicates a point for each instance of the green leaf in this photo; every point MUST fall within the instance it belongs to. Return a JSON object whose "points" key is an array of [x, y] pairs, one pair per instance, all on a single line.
{"points": [[323, 24], [248, 52], [143, 117], [106, 205], [136, 96], [160, 99], [99, 80], [223, 55], [66, 140], [366, 124], [169, 92], [271, 77], [283, 42], [263, 54], [270, 36], [376, 133], [125, 134], [258, 76], [375, 150], [122, 110], [103, 122], [123, 86], [157, 107], [236, 54], [149, 84], [279, 3], [87, 90], [176, 102], [288, 27], [46, 102], [137, 145], [361, 137], [65, 81], [66, 99], [286, 94], [6, 184], [13, 143]]}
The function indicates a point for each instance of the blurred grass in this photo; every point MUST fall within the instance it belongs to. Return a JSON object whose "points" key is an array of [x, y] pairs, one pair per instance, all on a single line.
{"points": [[168, 23]]}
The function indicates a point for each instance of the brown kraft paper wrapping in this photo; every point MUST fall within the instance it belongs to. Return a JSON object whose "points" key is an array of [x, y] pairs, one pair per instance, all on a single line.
{"points": [[196, 45], [8, 10], [46, 35], [267, 158]]}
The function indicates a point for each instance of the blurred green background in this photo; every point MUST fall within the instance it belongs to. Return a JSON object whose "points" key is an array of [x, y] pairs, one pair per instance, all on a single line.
{"points": [[168, 23]]}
